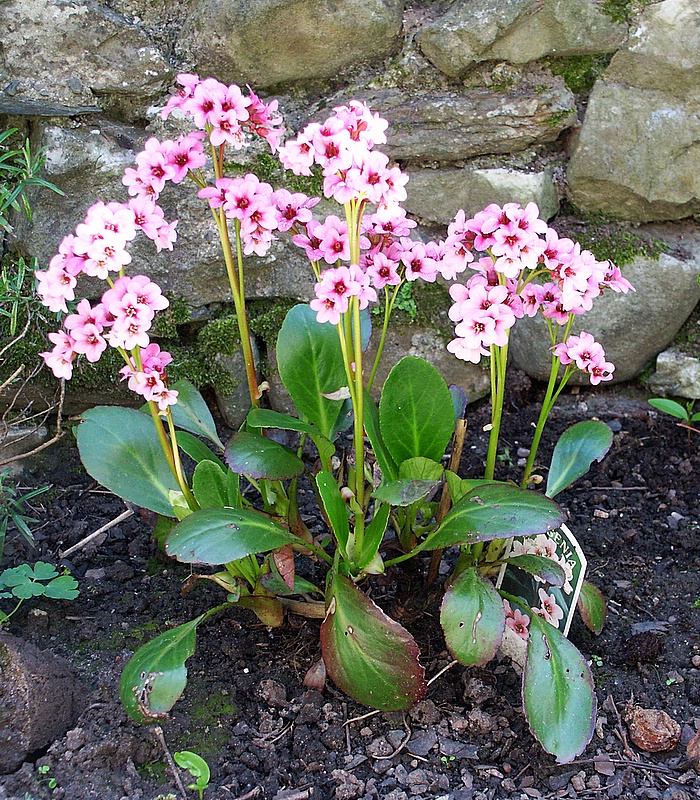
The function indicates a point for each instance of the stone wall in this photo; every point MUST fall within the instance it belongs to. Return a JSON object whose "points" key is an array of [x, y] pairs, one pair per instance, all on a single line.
{"points": [[485, 100]]}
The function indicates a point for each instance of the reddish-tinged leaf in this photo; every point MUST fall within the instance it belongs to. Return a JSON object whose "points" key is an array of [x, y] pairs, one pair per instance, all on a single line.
{"points": [[315, 677], [367, 654], [284, 561], [591, 607], [267, 609]]}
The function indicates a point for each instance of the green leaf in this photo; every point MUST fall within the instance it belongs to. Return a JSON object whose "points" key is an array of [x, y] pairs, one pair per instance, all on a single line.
{"points": [[421, 468], [390, 471], [495, 511], [214, 487], [44, 571], [416, 416], [558, 695], [264, 418], [335, 509], [472, 618], [258, 456], [367, 654], [540, 566], [374, 533], [192, 414], [592, 607], [196, 766], [196, 449], [695, 417], [120, 449], [669, 407], [28, 589], [460, 486], [574, 453], [65, 587], [310, 364], [220, 535], [156, 675], [403, 492]]}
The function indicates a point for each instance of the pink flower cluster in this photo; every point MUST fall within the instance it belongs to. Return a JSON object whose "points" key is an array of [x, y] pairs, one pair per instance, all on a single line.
{"points": [[125, 313], [354, 172], [587, 355], [259, 209], [224, 112], [521, 247]]}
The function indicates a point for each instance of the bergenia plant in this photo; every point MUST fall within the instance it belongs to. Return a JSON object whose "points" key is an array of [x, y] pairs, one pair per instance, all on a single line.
{"points": [[390, 500]]}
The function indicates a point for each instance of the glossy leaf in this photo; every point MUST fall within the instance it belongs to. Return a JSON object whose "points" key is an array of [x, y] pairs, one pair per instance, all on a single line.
{"points": [[574, 453], [335, 509], [156, 675], [120, 449], [416, 416], [310, 364], [367, 654], [257, 456], [472, 618], [541, 567], [495, 511], [196, 449], [374, 533], [460, 486], [192, 414], [421, 468], [592, 607], [403, 492], [390, 471], [266, 418], [214, 487], [669, 407], [219, 535], [558, 693]]}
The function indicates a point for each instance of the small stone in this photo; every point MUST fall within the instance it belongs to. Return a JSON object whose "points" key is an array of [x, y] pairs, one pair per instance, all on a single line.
{"points": [[425, 712], [273, 693], [693, 751], [37, 621], [578, 782], [379, 747], [652, 730], [593, 783], [401, 775], [95, 575], [349, 788], [395, 737], [422, 742], [695, 661]]}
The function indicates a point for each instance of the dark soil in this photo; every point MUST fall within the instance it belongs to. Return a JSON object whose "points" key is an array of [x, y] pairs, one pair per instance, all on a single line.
{"points": [[246, 710]]}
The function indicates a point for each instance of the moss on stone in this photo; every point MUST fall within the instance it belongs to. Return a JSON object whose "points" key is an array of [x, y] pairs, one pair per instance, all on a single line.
{"points": [[267, 316], [688, 337], [579, 72], [622, 11], [618, 244], [422, 305]]}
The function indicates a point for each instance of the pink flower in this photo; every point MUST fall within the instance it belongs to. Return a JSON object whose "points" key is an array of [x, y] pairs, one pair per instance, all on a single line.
{"points": [[152, 164], [382, 270], [60, 359], [186, 154], [292, 209], [517, 621], [188, 84], [334, 242], [298, 154], [264, 120], [418, 262], [55, 287], [310, 240], [148, 217], [549, 610]]}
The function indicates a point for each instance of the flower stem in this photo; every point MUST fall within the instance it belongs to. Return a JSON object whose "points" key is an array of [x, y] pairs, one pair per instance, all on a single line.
{"points": [[499, 360]]}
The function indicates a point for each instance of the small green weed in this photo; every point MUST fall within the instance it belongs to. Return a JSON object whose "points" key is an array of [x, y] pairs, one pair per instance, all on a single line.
{"points": [[197, 767], [22, 582]]}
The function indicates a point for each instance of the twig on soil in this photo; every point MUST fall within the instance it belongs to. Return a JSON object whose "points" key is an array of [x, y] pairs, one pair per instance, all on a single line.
{"points": [[442, 671], [626, 762], [124, 515], [362, 716], [254, 792], [619, 730], [158, 731], [399, 748]]}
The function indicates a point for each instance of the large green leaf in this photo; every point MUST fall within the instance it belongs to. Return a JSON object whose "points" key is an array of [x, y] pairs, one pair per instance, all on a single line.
{"points": [[367, 654], [416, 416], [220, 535], [472, 618], [335, 509], [558, 692], [156, 675], [574, 453], [403, 491], [387, 465], [213, 487], [592, 607], [265, 418], [495, 511], [541, 567], [196, 449], [249, 453], [421, 469], [192, 414], [310, 363], [119, 447]]}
